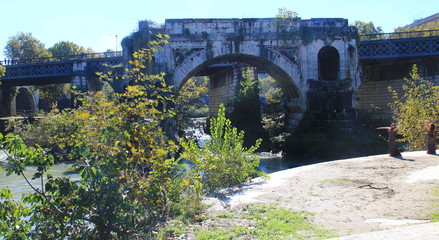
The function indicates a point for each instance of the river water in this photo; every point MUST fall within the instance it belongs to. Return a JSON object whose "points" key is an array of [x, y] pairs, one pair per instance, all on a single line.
{"points": [[18, 185], [269, 163]]}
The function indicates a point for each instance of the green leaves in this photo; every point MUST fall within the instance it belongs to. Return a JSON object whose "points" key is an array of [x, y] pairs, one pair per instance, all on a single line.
{"points": [[416, 109], [222, 161], [2, 70], [129, 175], [12, 215]]}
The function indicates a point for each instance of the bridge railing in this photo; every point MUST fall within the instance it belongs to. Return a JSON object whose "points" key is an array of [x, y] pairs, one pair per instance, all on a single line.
{"points": [[400, 35], [100, 55]]}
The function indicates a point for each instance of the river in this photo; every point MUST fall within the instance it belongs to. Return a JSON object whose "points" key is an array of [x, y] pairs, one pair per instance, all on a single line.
{"points": [[269, 163], [19, 186]]}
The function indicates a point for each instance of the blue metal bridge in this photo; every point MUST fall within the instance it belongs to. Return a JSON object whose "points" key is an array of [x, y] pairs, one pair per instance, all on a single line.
{"points": [[399, 45], [51, 70]]}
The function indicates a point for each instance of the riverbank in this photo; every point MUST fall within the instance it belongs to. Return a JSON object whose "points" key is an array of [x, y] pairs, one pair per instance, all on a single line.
{"points": [[349, 196]]}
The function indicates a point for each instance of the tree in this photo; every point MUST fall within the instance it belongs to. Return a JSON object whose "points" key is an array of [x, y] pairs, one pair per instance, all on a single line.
{"points": [[415, 109], [418, 31], [367, 28], [24, 45], [130, 179], [2, 70], [246, 114], [273, 112], [52, 94], [287, 15], [66, 48], [190, 103]]}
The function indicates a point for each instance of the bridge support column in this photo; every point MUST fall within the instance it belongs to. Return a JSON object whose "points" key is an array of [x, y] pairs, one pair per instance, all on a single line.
{"points": [[7, 101], [225, 85], [222, 90], [295, 114], [79, 80]]}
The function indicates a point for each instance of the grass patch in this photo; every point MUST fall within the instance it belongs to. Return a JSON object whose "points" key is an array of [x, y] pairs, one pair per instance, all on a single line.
{"points": [[434, 217], [337, 181], [262, 222], [225, 215]]}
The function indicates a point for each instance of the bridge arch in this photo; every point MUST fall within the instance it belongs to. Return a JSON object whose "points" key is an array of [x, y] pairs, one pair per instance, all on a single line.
{"points": [[282, 69], [24, 102], [329, 63], [275, 64]]}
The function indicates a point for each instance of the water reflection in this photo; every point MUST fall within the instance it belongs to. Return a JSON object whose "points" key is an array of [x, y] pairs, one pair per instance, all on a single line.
{"points": [[271, 163]]}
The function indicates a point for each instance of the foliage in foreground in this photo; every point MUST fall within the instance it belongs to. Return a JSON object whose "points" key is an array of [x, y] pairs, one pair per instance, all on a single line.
{"points": [[128, 169], [416, 109], [131, 180], [262, 222], [130, 176], [221, 161]]}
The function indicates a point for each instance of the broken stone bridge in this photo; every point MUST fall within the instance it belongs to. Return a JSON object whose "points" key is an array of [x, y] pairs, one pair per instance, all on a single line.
{"points": [[316, 62]]}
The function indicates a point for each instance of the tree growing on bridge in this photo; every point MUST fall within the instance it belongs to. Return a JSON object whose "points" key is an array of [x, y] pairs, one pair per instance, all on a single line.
{"points": [[415, 109]]}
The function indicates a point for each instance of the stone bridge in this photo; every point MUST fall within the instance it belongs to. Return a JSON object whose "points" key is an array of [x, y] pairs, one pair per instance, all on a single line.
{"points": [[315, 61]]}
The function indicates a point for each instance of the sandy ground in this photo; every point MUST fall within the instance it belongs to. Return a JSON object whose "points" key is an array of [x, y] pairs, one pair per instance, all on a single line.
{"points": [[350, 196]]}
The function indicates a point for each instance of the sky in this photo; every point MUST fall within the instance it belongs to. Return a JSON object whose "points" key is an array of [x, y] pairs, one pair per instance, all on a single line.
{"points": [[102, 24]]}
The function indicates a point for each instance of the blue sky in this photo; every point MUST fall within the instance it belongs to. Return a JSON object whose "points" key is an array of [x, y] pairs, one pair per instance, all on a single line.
{"points": [[95, 23]]}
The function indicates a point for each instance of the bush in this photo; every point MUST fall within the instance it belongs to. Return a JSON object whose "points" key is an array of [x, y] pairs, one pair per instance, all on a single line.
{"points": [[50, 131], [416, 109], [221, 161], [130, 178]]}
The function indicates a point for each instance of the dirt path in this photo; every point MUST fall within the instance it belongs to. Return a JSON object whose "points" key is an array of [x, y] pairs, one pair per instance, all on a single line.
{"points": [[351, 196]]}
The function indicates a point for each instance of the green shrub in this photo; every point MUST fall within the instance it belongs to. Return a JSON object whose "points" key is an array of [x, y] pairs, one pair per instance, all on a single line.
{"points": [[416, 109], [130, 178], [221, 161]]}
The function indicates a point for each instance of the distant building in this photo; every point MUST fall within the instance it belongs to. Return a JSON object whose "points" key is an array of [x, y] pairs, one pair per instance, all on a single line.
{"points": [[424, 21]]}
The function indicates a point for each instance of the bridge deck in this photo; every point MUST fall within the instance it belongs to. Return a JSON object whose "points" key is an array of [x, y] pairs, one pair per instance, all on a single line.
{"points": [[39, 71], [377, 46], [399, 48]]}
